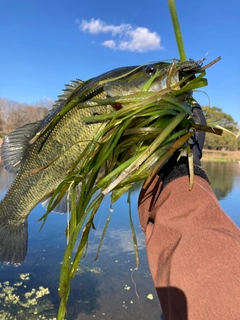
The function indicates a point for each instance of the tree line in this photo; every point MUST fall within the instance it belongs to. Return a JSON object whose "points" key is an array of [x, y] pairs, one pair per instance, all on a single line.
{"points": [[215, 116], [14, 115]]}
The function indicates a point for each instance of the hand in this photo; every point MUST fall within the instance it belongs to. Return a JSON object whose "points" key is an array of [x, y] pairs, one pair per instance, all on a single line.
{"points": [[197, 140], [175, 168]]}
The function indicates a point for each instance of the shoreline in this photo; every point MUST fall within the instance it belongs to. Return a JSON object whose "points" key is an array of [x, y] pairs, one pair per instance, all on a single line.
{"points": [[221, 156], [209, 155]]}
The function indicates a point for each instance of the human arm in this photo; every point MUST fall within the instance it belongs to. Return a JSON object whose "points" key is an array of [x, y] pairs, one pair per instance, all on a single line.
{"points": [[193, 248]]}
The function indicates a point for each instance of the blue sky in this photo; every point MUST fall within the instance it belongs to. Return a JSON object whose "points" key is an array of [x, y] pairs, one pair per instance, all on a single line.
{"points": [[46, 43]]}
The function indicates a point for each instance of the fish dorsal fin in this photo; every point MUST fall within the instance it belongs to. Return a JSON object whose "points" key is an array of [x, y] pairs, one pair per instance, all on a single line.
{"points": [[15, 145], [62, 101], [67, 92]]}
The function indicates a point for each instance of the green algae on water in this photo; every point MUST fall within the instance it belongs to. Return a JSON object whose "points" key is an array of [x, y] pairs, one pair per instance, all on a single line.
{"points": [[18, 302]]}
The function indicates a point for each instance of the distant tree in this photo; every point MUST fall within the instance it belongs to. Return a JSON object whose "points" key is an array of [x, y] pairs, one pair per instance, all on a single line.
{"points": [[3, 108], [215, 116], [44, 103], [14, 114]]}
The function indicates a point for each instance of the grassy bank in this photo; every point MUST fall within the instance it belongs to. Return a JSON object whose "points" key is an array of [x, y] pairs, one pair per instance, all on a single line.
{"points": [[220, 156]]}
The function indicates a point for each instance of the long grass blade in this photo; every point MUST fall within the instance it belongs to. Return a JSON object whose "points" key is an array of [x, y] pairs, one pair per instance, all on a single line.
{"points": [[147, 153], [134, 237], [132, 144]]}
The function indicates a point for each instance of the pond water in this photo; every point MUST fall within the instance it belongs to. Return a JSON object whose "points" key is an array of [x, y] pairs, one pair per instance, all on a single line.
{"points": [[107, 288]]}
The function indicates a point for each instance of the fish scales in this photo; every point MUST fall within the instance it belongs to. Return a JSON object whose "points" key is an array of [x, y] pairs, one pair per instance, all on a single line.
{"points": [[59, 147], [64, 144]]}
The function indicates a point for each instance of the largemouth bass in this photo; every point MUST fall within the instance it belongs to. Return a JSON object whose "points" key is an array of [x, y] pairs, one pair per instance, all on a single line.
{"points": [[57, 149]]}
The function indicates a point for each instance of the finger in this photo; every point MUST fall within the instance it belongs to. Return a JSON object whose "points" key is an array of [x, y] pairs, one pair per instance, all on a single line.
{"points": [[198, 115], [197, 140]]}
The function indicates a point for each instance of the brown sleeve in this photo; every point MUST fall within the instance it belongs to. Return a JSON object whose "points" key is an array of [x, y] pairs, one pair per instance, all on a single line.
{"points": [[193, 251]]}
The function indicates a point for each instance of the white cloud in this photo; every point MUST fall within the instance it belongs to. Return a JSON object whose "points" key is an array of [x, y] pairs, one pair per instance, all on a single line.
{"points": [[109, 44], [141, 40], [127, 38], [96, 26]]}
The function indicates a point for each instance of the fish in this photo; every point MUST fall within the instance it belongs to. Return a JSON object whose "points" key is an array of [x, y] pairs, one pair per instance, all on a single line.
{"points": [[55, 151]]}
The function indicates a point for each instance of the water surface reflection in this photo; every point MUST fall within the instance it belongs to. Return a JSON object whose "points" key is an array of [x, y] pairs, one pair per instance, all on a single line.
{"points": [[103, 289], [223, 177], [225, 181]]}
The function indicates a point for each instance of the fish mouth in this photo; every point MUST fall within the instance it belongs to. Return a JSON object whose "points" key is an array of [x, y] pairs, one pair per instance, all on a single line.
{"points": [[188, 69]]}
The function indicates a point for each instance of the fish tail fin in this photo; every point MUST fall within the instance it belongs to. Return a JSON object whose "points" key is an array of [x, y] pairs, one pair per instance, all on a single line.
{"points": [[13, 242]]}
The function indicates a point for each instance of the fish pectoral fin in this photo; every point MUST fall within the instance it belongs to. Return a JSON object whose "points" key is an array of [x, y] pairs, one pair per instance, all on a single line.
{"points": [[63, 206], [13, 242], [15, 144]]}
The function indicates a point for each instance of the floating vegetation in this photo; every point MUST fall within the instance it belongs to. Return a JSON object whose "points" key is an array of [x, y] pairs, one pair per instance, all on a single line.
{"points": [[150, 296], [126, 287], [24, 276], [82, 269], [19, 303]]}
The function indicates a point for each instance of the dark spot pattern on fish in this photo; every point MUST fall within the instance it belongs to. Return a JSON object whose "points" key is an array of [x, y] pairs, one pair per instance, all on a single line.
{"points": [[57, 141]]}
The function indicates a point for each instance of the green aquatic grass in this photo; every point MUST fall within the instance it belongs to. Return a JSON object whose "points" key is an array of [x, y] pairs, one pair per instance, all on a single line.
{"points": [[177, 30], [136, 142]]}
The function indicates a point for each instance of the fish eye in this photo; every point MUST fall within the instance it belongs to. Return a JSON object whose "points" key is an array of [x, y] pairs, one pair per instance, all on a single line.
{"points": [[151, 70]]}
